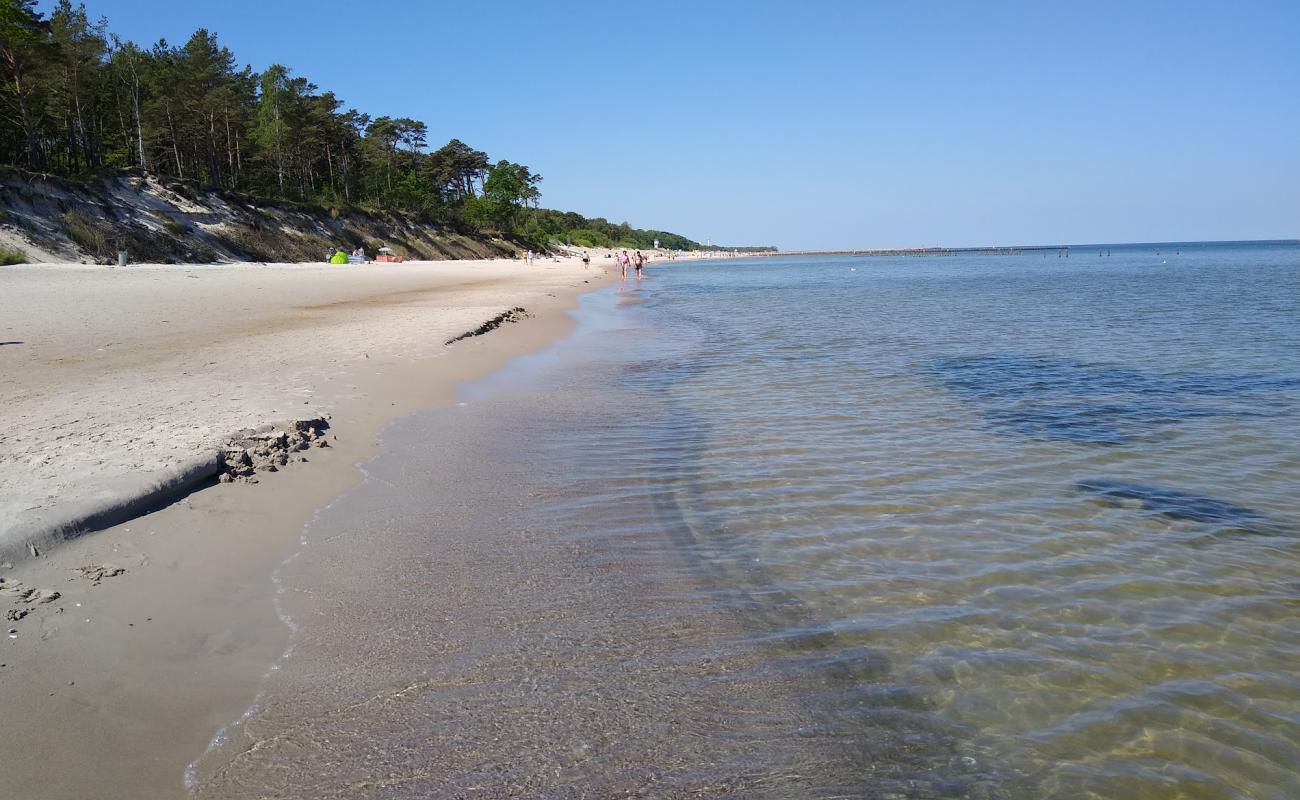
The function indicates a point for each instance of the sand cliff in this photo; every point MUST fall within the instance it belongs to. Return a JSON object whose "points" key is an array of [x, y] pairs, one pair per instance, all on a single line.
{"points": [[162, 220]]}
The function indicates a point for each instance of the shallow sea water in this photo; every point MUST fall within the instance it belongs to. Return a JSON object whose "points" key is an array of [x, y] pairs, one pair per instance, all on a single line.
{"points": [[985, 526]]}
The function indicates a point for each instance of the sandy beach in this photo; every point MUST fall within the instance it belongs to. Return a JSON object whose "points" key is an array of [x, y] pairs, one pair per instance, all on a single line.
{"points": [[113, 678], [113, 375]]}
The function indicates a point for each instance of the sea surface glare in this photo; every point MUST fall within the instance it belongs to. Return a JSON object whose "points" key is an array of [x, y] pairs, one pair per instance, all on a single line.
{"points": [[973, 526]]}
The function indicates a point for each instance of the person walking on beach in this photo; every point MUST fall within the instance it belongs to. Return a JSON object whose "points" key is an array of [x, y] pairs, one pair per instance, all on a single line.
{"points": [[623, 262], [640, 260]]}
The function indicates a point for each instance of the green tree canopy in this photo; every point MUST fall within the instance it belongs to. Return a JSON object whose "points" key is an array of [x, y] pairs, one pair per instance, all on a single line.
{"points": [[76, 100]]}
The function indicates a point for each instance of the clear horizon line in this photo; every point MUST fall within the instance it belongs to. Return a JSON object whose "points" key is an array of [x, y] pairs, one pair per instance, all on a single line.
{"points": [[922, 248]]}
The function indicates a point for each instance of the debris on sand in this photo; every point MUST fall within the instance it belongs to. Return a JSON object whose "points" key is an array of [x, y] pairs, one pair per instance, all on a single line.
{"points": [[513, 315], [98, 572], [23, 597], [14, 590], [267, 448]]}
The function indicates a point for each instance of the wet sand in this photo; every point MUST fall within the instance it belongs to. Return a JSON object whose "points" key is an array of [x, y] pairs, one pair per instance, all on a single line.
{"points": [[500, 640], [114, 686], [513, 604]]}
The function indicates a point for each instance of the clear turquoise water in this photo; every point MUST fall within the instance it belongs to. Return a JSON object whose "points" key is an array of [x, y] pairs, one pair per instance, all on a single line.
{"points": [[1011, 526], [1057, 496]]}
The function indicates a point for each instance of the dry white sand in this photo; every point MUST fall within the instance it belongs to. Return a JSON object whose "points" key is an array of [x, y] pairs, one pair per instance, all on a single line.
{"points": [[107, 374]]}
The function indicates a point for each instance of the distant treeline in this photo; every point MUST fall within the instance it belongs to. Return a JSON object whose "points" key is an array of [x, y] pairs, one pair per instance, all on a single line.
{"points": [[567, 227], [79, 102]]}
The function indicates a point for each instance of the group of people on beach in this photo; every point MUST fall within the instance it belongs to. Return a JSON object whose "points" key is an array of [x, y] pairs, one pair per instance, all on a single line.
{"points": [[637, 261]]}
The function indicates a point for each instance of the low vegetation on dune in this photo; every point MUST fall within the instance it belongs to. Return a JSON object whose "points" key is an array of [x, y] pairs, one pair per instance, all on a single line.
{"points": [[12, 255]]}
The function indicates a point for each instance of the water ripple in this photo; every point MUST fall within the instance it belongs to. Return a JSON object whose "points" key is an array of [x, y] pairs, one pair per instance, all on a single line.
{"points": [[1040, 553]]}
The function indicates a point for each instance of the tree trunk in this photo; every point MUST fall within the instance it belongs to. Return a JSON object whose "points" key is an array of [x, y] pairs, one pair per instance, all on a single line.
{"points": [[343, 164], [125, 129], [214, 159], [176, 150], [239, 163], [87, 151], [230, 153], [72, 154], [279, 146], [35, 159], [135, 104]]}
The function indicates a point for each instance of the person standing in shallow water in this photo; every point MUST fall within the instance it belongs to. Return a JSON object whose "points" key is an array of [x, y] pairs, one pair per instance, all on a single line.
{"points": [[622, 263], [639, 260]]}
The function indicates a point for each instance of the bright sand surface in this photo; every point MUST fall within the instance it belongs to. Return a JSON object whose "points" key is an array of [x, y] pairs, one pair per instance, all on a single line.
{"points": [[110, 689], [107, 373]]}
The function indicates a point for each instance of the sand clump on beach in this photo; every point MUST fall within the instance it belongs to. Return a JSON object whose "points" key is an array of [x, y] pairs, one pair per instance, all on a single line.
{"points": [[267, 448], [23, 599]]}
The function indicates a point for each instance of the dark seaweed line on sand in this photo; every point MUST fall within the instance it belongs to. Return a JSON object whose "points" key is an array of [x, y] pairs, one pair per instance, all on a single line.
{"points": [[513, 315]]}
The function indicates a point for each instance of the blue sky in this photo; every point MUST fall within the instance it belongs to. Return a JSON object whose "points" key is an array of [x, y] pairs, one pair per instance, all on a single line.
{"points": [[827, 124]]}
